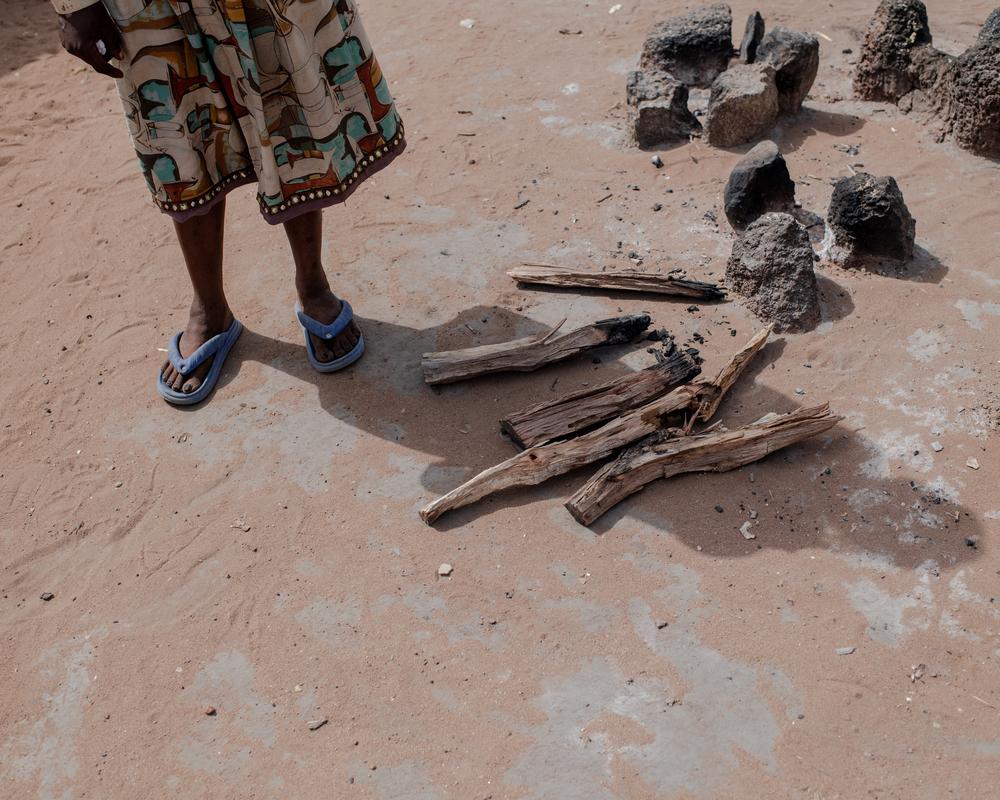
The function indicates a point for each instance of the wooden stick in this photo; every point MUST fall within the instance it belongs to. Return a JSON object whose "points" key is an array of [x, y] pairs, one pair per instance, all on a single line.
{"points": [[710, 452], [569, 415], [628, 280], [525, 355], [728, 375], [538, 464]]}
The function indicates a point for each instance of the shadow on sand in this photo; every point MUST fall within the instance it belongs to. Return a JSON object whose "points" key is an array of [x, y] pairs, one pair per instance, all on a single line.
{"points": [[834, 491]]}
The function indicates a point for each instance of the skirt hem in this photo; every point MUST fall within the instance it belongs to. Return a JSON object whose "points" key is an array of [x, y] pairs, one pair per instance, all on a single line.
{"points": [[329, 196], [324, 196]]}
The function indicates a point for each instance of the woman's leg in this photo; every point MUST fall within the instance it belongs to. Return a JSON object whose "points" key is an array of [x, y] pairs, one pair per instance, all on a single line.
{"points": [[201, 244], [305, 235]]}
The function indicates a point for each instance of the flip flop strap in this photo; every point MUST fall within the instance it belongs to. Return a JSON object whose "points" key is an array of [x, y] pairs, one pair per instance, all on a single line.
{"points": [[187, 365], [331, 331]]}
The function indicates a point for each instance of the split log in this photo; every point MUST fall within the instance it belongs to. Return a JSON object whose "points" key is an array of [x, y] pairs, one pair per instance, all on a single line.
{"points": [[525, 355], [538, 464], [579, 411], [716, 390], [708, 452], [628, 280]]}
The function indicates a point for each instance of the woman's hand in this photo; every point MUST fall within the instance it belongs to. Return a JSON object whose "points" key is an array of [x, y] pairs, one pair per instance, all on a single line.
{"points": [[81, 31]]}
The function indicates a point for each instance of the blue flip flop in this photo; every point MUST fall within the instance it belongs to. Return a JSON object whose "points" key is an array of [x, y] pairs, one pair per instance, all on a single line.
{"points": [[331, 331], [218, 347]]}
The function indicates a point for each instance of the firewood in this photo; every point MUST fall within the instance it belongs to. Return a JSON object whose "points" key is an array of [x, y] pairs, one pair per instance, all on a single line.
{"points": [[525, 355], [710, 452], [576, 412], [539, 463], [628, 280]]}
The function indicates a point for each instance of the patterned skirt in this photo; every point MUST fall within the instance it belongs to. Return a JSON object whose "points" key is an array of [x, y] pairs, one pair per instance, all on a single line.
{"points": [[287, 93]]}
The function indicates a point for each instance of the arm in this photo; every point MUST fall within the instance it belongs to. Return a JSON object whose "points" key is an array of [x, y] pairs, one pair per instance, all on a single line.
{"points": [[82, 25]]}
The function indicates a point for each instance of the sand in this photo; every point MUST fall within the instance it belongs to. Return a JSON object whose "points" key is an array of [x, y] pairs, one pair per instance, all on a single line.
{"points": [[261, 555]]}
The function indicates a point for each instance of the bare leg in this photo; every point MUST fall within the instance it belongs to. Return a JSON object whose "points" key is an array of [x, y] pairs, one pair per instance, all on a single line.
{"points": [[305, 236], [200, 239]]}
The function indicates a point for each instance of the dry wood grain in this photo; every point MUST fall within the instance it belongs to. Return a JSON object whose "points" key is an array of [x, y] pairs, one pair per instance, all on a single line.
{"points": [[539, 463], [530, 353], [569, 415], [628, 280], [710, 452]]}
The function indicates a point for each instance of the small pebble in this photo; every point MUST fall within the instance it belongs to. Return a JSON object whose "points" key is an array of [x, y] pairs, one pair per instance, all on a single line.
{"points": [[656, 161], [719, 509], [657, 206], [972, 463], [210, 711], [844, 651], [316, 724], [746, 530], [445, 570], [46, 596], [937, 447]]}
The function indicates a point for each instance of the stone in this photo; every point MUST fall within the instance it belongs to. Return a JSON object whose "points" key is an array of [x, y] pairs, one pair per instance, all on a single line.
{"points": [[46, 596], [868, 221], [845, 651], [316, 724], [795, 58], [990, 32], [658, 109], [758, 183], [752, 35], [886, 69], [899, 64], [445, 570], [694, 47], [772, 267], [742, 106], [974, 99], [746, 530]]}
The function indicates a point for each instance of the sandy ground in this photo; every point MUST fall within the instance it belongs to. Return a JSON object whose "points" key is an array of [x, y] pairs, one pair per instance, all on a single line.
{"points": [[262, 554]]}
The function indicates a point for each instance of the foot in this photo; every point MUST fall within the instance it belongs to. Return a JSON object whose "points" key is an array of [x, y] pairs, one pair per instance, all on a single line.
{"points": [[201, 327], [324, 307]]}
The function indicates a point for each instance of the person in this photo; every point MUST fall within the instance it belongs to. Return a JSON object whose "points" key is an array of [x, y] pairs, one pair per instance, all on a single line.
{"points": [[222, 93]]}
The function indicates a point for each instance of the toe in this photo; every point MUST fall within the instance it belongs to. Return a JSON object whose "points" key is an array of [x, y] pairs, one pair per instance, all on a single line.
{"points": [[325, 350]]}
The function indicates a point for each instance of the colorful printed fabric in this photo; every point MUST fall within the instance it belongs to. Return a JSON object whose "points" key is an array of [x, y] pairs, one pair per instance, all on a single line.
{"points": [[218, 93]]}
